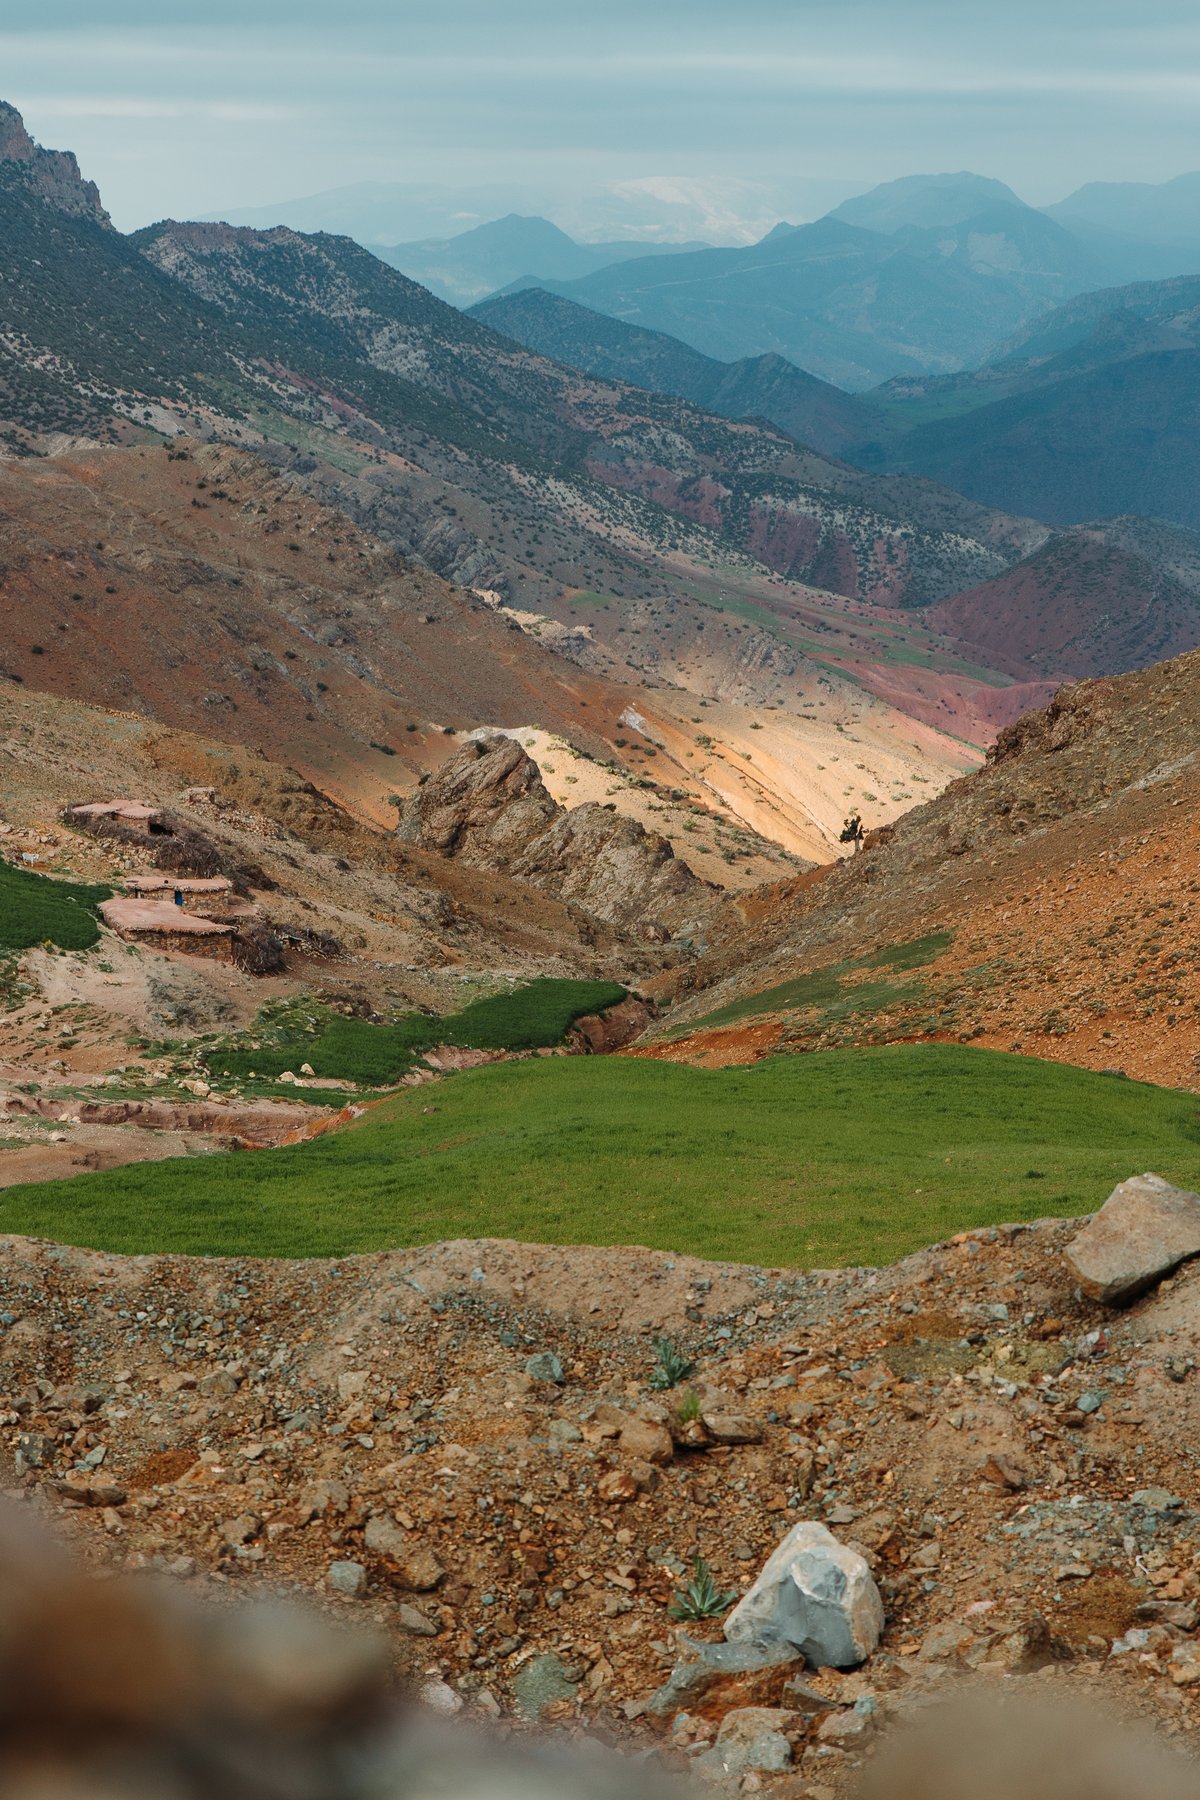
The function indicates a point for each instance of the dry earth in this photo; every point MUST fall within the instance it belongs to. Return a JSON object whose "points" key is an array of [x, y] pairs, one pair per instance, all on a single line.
{"points": [[1017, 1465], [1067, 872]]}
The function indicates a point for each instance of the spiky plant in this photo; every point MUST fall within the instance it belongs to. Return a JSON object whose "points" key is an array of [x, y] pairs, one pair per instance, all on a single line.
{"points": [[701, 1598], [689, 1408], [670, 1367]]}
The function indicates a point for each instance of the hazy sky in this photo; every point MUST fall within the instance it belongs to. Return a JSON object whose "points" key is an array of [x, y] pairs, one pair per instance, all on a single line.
{"points": [[187, 108]]}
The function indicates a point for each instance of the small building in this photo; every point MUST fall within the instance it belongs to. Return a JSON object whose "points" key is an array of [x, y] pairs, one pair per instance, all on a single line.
{"points": [[208, 895], [127, 815], [164, 926]]}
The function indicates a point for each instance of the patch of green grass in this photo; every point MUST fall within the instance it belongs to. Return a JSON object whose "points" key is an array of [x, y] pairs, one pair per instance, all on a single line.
{"points": [[532, 1017], [35, 910], [844, 1157], [827, 990]]}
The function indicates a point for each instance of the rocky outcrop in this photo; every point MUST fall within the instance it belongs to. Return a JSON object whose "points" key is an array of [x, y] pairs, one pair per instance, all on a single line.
{"points": [[490, 807], [1145, 1229], [51, 175]]}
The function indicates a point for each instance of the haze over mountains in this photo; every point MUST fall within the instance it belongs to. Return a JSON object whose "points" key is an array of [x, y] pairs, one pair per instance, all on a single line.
{"points": [[924, 274], [474, 264]]}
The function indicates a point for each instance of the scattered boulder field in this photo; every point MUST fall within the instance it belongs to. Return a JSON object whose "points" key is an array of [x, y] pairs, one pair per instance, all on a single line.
{"points": [[744, 1519]]}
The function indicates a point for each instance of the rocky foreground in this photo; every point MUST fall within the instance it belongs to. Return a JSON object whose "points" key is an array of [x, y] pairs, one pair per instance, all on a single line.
{"points": [[465, 1446]]}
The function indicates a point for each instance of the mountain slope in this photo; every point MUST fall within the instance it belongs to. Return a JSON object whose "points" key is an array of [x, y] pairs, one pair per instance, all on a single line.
{"points": [[813, 412], [197, 588], [1077, 607], [1115, 439], [1045, 904], [646, 538], [795, 512], [1152, 228], [1085, 412], [850, 305], [465, 268]]}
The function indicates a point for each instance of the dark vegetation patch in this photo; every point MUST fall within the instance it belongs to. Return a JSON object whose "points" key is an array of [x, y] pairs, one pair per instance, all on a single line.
{"points": [[35, 909], [374, 1054]]}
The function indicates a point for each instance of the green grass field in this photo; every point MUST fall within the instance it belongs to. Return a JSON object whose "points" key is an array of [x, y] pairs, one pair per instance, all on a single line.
{"points": [[34, 909], [832, 991], [531, 1017], [843, 1157]]}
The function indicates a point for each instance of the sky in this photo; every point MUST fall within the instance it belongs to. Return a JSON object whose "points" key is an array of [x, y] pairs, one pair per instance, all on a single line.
{"points": [[600, 112]]}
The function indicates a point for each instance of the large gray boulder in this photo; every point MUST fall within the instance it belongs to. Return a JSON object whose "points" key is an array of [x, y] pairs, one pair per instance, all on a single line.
{"points": [[1145, 1229], [816, 1594]]}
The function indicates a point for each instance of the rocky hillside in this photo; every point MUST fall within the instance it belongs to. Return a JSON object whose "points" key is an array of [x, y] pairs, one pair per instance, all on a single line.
{"points": [[196, 587], [1047, 902], [51, 176], [467, 1446], [488, 806]]}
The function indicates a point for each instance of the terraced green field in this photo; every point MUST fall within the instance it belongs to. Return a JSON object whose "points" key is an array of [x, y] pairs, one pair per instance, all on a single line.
{"points": [[35, 909], [535, 1016], [844, 1157]]}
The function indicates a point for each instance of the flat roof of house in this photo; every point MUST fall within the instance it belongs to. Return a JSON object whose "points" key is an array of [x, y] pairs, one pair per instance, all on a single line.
{"points": [[187, 884], [125, 809], [127, 914]]}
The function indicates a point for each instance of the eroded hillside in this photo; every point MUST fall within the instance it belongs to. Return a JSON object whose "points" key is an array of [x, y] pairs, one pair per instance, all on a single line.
{"points": [[1048, 903]]}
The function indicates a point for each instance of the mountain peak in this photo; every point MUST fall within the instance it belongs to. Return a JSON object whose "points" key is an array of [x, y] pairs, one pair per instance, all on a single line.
{"points": [[925, 200], [50, 175]]}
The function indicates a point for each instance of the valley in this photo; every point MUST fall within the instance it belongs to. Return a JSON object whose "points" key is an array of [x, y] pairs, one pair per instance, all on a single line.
{"points": [[597, 929]]}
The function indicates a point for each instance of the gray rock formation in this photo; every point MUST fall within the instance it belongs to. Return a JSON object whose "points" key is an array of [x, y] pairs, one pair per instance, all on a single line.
{"points": [[50, 175], [490, 807], [816, 1594], [1145, 1229]]}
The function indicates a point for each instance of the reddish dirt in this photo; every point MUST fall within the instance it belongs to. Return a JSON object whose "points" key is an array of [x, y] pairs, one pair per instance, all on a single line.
{"points": [[245, 1422], [1067, 872], [207, 593], [1076, 607]]}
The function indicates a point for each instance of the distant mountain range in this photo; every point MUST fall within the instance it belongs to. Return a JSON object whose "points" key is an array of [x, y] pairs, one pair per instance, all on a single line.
{"points": [[850, 304], [919, 276], [657, 539], [814, 412], [465, 268], [1143, 229], [1091, 410]]}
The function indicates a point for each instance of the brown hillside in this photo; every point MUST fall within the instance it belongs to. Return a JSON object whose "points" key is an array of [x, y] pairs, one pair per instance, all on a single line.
{"points": [[1067, 872], [1076, 607], [198, 588]]}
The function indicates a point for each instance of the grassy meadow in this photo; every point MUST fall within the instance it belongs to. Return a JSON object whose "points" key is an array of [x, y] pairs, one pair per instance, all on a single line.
{"points": [[34, 909], [845, 1157]]}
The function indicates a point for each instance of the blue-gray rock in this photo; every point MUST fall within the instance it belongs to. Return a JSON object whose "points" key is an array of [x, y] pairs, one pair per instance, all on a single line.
{"points": [[751, 1737], [701, 1665], [815, 1594], [541, 1681], [349, 1578], [545, 1366]]}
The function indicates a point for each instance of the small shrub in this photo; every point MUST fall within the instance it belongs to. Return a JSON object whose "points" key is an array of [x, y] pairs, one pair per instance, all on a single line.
{"points": [[701, 1598]]}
